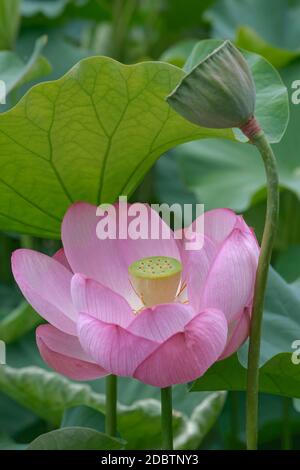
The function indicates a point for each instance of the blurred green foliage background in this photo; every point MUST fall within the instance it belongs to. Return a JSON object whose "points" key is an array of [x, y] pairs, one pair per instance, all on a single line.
{"points": [[40, 40]]}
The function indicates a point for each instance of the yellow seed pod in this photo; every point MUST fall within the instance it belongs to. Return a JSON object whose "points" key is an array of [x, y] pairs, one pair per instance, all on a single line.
{"points": [[156, 279]]}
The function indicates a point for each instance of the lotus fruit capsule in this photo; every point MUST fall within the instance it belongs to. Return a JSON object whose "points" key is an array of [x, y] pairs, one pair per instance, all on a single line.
{"points": [[156, 280]]}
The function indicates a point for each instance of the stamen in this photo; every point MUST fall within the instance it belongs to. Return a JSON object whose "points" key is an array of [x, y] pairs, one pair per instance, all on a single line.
{"points": [[183, 286]]}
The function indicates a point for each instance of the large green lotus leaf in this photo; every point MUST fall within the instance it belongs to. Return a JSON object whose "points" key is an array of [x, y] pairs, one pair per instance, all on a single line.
{"points": [[281, 327], [75, 438], [277, 21], [48, 395], [91, 135], [272, 108]]}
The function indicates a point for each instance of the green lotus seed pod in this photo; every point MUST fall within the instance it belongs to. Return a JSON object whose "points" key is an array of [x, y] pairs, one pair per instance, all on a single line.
{"points": [[219, 92]]}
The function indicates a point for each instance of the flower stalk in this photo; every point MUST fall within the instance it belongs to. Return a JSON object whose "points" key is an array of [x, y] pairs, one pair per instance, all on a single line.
{"points": [[166, 418], [111, 405], [258, 138]]}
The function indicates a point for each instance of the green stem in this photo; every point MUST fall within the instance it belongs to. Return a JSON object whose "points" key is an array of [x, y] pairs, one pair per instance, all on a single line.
{"points": [[260, 141], [27, 241], [123, 12], [111, 406], [166, 418]]}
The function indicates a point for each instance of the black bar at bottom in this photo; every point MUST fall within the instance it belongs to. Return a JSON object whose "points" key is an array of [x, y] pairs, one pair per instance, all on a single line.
{"points": [[135, 459]]}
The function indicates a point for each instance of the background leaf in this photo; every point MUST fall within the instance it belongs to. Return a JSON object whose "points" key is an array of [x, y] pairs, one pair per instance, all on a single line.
{"points": [[18, 322], [45, 393], [248, 39], [6, 443], [279, 376], [16, 73], [75, 438], [206, 168], [9, 22], [83, 416], [201, 421], [267, 17], [48, 395], [288, 262], [49, 8]]}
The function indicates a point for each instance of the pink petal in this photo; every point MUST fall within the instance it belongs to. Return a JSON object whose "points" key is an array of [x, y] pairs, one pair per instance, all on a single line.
{"points": [[186, 356], [218, 224], [111, 346], [60, 256], [230, 283], [107, 260], [159, 238], [162, 321], [62, 343], [197, 265], [100, 302], [101, 260], [64, 354], [237, 334], [45, 283]]}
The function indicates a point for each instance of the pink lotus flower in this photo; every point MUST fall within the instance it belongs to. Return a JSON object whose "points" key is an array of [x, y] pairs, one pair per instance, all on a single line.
{"points": [[112, 310]]}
